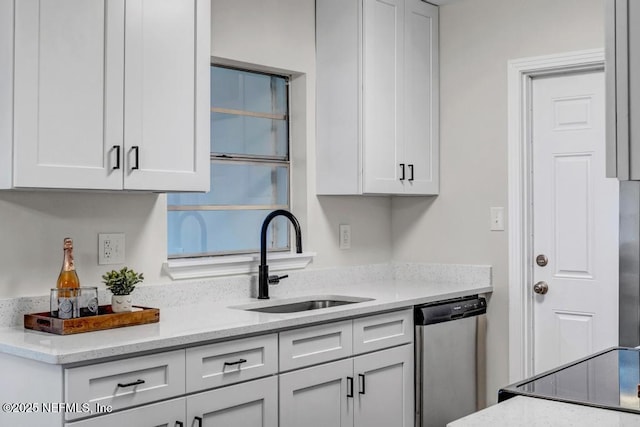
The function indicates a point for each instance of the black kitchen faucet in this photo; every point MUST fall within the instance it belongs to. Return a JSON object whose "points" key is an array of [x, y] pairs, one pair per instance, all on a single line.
{"points": [[263, 270]]}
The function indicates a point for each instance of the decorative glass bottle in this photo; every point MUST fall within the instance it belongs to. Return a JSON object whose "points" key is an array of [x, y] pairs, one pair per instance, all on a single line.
{"points": [[68, 283]]}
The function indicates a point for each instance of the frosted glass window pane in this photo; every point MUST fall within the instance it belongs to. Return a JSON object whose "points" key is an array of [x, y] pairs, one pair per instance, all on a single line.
{"points": [[234, 134], [234, 183], [245, 90], [193, 233]]}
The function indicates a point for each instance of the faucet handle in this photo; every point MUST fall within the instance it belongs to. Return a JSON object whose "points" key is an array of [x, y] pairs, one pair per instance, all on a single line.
{"points": [[275, 279]]}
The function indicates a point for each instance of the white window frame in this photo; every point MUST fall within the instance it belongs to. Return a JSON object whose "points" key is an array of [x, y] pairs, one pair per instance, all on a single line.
{"points": [[224, 265]]}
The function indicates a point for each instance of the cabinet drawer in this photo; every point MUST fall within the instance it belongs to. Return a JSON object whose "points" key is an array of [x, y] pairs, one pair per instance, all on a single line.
{"points": [[230, 362], [316, 344], [169, 413], [125, 383], [382, 331]]}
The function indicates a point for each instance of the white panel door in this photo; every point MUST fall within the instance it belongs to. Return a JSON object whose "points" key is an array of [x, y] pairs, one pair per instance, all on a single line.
{"points": [[384, 388], [68, 93], [250, 404], [382, 106], [318, 396], [575, 221], [167, 107], [421, 123]]}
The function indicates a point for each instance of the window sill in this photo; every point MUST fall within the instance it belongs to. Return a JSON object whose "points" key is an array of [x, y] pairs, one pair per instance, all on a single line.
{"points": [[194, 268]]}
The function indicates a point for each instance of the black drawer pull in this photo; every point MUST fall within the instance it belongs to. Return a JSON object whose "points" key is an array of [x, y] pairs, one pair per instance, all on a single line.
{"points": [[411, 172], [199, 420], [349, 387], [138, 382], [401, 171], [361, 377], [179, 424], [237, 362]]}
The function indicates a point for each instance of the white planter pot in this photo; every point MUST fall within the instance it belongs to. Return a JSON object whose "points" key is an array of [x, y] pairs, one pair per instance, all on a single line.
{"points": [[120, 303]]}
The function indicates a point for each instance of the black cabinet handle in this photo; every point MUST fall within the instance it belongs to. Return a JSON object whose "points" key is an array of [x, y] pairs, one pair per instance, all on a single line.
{"points": [[349, 386], [361, 378], [117, 166], [237, 362], [137, 382], [411, 172], [199, 420], [179, 424], [136, 164], [401, 171]]}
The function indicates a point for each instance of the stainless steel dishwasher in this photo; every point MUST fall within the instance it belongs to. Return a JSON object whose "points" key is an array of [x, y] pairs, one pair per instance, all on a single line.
{"points": [[446, 345]]}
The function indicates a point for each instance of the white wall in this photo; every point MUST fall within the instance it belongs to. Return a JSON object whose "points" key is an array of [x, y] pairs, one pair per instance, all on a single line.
{"points": [[272, 34], [280, 35], [477, 38]]}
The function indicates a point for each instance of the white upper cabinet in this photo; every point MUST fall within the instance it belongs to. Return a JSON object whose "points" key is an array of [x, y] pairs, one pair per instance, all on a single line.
{"points": [[106, 94], [166, 95], [377, 97]]}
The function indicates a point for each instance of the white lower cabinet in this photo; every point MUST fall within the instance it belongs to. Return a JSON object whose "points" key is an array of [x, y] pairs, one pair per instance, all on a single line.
{"points": [[162, 414], [384, 388], [318, 396], [250, 404], [373, 390], [348, 373]]}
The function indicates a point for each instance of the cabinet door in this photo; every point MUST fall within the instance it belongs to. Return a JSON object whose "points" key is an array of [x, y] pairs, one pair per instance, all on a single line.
{"points": [[68, 93], [384, 388], [250, 404], [382, 96], [318, 396], [166, 76], [164, 414], [421, 137]]}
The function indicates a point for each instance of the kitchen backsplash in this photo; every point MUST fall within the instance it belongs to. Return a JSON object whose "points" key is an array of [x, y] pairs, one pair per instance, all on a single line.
{"points": [[238, 287]]}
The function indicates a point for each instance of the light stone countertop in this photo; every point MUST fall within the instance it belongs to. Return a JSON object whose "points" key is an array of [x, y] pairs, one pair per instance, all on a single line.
{"points": [[523, 411], [187, 325]]}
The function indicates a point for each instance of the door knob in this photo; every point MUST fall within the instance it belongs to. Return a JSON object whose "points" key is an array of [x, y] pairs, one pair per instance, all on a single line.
{"points": [[541, 288]]}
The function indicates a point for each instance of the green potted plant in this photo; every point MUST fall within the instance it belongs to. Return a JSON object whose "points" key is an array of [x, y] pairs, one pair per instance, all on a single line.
{"points": [[121, 284]]}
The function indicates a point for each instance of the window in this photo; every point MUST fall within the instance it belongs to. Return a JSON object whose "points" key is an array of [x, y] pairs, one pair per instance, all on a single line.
{"points": [[249, 170]]}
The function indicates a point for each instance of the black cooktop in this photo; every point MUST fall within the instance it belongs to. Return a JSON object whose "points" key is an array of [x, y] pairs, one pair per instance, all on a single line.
{"points": [[609, 379]]}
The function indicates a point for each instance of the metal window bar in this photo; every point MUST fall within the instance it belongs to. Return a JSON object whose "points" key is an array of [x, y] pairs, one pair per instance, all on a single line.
{"points": [[246, 113]]}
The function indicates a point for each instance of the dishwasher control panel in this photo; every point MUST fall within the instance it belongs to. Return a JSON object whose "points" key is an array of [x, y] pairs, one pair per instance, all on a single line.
{"points": [[444, 311]]}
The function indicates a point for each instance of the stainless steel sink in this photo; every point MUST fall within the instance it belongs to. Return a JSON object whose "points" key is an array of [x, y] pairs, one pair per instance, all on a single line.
{"points": [[301, 304]]}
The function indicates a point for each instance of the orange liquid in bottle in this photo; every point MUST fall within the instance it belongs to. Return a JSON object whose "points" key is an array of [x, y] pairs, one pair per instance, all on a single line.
{"points": [[68, 278]]}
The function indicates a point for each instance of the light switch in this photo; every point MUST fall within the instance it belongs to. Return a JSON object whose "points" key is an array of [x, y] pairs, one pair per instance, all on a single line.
{"points": [[345, 236], [497, 219]]}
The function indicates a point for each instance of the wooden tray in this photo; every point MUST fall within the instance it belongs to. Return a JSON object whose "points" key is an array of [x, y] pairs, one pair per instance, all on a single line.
{"points": [[105, 319]]}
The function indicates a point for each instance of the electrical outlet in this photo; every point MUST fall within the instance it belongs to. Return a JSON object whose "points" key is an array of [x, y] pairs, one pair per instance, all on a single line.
{"points": [[345, 236], [110, 248]]}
